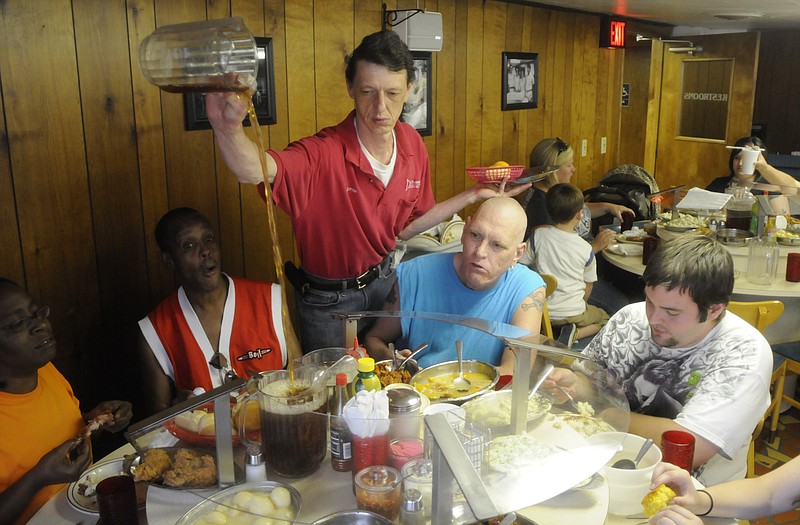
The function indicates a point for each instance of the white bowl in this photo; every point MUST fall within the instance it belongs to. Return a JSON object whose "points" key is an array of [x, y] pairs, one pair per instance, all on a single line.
{"points": [[626, 488]]}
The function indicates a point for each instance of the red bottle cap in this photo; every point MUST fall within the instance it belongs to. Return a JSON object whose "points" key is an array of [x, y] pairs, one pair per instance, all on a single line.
{"points": [[341, 379]]}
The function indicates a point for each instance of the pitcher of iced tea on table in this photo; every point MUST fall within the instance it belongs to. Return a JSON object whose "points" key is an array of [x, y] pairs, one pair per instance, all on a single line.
{"points": [[294, 419]]}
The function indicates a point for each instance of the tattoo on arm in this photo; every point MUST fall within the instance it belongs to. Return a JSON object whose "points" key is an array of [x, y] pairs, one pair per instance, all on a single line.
{"points": [[536, 301]]}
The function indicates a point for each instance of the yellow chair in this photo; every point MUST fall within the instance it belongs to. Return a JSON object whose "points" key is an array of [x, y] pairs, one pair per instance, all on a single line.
{"points": [[761, 314], [552, 284]]}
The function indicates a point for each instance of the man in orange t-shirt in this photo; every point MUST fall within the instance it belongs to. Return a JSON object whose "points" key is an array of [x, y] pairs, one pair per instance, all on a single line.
{"points": [[40, 416]]}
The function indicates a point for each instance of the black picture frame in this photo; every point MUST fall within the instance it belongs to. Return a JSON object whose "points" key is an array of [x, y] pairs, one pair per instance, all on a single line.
{"points": [[263, 98], [417, 109], [520, 85]]}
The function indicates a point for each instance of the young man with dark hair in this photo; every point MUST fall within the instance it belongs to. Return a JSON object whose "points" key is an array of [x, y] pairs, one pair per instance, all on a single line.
{"points": [[720, 365]]}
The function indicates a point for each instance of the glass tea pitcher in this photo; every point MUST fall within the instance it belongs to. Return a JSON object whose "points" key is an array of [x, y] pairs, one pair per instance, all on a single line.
{"points": [[204, 56]]}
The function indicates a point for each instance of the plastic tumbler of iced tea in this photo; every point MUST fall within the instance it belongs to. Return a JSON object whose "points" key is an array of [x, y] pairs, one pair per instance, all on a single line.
{"points": [[677, 447], [203, 56]]}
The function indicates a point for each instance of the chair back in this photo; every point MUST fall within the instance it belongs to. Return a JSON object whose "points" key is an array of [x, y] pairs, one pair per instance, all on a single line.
{"points": [[760, 314], [552, 283]]}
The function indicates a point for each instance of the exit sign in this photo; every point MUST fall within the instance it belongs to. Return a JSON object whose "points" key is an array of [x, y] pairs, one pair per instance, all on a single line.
{"points": [[612, 33]]}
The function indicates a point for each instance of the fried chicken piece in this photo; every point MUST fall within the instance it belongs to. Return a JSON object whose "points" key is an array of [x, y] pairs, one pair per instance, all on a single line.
{"points": [[154, 463], [190, 469], [101, 420]]}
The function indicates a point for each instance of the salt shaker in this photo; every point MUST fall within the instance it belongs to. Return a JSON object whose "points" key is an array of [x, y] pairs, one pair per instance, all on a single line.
{"points": [[411, 512], [254, 467]]}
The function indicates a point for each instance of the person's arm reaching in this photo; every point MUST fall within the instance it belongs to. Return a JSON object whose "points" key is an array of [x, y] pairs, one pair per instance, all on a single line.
{"points": [[773, 493], [775, 176], [225, 113], [442, 211], [385, 330]]}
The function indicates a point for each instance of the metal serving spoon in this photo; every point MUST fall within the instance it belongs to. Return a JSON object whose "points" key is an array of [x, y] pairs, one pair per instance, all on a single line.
{"points": [[460, 383], [630, 465], [417, 350]]}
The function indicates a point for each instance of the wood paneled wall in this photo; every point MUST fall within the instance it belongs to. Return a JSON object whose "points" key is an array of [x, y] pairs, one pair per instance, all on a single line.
{"points": [[91, 155], [777, 103]]}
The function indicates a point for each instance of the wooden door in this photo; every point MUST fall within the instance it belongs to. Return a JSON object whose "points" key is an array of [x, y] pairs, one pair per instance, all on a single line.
{"points": [[706, 103]]}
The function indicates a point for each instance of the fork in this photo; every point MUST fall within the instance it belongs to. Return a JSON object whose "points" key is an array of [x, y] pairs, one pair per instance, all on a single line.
{"points": [[571, 400]]}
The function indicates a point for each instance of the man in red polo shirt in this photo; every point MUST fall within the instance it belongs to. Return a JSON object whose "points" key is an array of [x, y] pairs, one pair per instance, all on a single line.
{"points": [[351, 190]]}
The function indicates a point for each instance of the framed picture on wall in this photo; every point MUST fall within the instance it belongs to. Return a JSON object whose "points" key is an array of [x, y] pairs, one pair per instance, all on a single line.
{"points": [[520, 86], [417, 109], [263, 98]]}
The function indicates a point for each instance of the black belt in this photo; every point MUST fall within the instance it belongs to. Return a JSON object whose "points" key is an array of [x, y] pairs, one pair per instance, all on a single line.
{"points": [[300, 278]]}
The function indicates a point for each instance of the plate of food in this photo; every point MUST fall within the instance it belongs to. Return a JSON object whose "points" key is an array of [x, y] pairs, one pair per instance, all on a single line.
{"points": [[173, 468], [626, 250], [82, 494], [634, 235]]}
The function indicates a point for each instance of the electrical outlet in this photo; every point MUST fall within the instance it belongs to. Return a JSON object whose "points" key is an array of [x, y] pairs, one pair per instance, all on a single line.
{"points": [[584, 144], [603, 146]]}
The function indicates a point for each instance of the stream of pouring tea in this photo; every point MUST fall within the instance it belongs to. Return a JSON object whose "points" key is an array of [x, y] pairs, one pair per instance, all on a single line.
{"points": [[291, 340]]}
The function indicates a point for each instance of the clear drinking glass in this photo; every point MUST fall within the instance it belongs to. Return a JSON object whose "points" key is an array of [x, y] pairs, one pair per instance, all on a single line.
{"points": [[204, 56]]}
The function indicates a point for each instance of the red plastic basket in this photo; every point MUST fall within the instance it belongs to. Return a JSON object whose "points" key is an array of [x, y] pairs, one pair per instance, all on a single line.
{"points": [[495, 173]]}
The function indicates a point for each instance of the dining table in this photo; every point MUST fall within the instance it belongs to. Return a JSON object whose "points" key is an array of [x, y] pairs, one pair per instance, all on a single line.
{"points": [[627, 256], [327, 491]]}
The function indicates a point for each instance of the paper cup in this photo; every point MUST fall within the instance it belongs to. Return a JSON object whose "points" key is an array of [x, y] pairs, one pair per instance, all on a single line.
{"points": [[749, 158]]}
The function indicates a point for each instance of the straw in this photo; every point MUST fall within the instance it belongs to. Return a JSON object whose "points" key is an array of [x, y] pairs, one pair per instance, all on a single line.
{"points": [[743, 147]]}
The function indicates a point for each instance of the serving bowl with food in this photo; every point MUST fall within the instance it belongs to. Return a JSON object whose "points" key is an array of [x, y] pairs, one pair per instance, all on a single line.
{"points": [[788, 237], [275, 501], [436, 381], [492, 411], [385, 370]]}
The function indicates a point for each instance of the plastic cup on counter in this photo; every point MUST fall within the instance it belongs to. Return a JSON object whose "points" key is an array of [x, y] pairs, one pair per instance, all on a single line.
{"points": [[793, 267], [649, 246], [116, 501], [677, 447]]}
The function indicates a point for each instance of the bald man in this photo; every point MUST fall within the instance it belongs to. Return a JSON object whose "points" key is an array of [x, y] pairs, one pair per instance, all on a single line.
{"points": [[484, 281]]}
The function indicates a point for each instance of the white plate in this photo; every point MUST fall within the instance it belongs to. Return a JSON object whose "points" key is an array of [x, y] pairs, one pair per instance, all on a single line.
{"points": [[100, 471], [627, 250]]}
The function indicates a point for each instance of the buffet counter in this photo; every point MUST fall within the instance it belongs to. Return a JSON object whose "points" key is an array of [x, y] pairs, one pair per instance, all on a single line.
{"points": [[328, 491]]}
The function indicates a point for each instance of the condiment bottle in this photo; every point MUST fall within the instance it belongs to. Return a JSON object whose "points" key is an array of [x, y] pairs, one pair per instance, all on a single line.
{"points": [[366, 379], [254, 467], [379, 489], [341, 439], [411, 509]]}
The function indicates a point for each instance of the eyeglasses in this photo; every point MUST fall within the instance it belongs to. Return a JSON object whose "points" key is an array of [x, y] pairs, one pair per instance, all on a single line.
{"points": [[561, 145], [25, 323], [220, 363]]}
